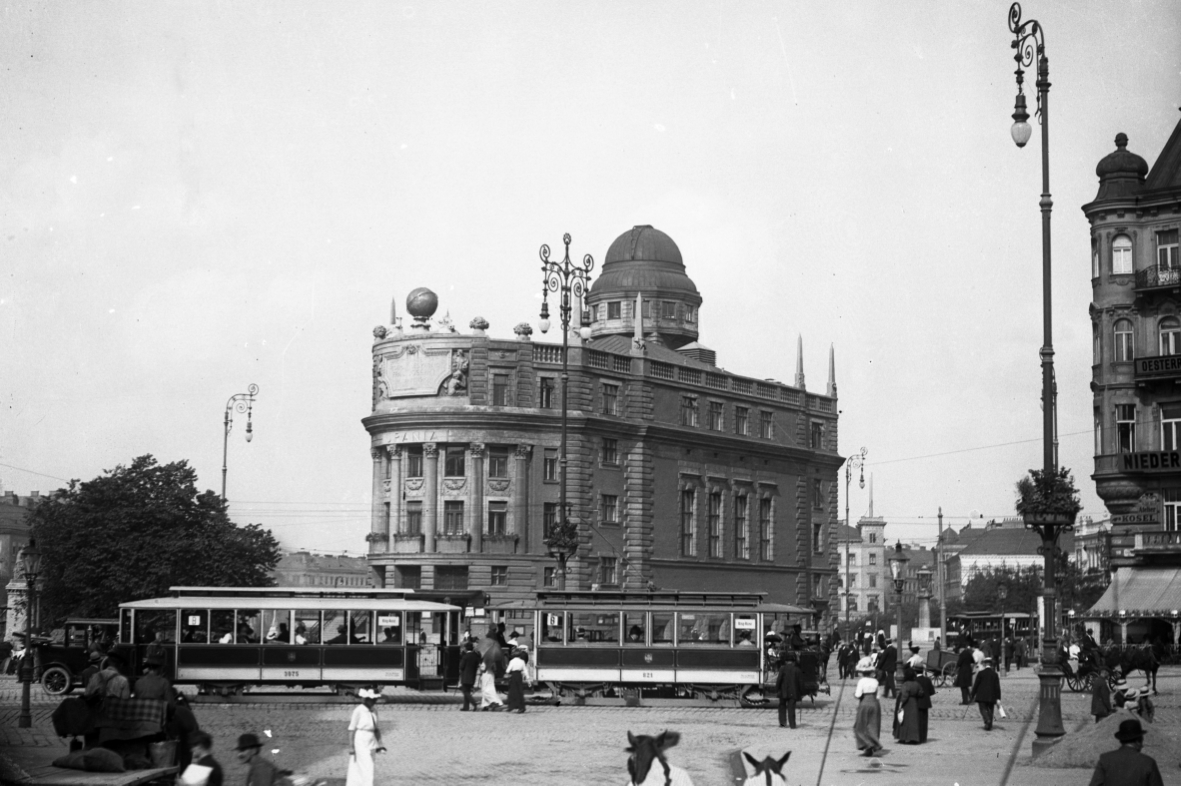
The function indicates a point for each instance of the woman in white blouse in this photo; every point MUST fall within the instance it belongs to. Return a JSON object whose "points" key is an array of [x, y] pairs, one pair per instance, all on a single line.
{"points": [[868, 726], [364, 739]]}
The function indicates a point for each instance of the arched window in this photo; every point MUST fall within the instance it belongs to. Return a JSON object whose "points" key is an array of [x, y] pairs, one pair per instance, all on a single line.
{"points": [[1125, 345], [1170, 336], [1121, 254]]}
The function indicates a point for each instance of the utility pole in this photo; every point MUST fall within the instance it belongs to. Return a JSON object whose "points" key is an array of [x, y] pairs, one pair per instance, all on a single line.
{"points": [[939, 575]]}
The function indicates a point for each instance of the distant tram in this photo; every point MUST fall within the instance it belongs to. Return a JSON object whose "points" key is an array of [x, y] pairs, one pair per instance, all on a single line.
{"points": [[227, 638]]}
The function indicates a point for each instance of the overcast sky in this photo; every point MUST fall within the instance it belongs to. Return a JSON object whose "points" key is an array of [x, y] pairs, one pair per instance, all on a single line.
{"points": [[200, 196]]}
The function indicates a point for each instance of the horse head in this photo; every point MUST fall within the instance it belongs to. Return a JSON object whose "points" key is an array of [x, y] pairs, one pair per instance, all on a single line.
{"points": [[768, 772], [645, 750]]}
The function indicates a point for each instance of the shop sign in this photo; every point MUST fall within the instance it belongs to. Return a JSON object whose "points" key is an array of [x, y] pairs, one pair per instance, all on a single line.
{"points": [[1152, 461]]}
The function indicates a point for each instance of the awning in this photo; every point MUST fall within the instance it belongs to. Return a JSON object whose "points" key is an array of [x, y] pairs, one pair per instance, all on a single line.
{"points": [[1141, 592]]}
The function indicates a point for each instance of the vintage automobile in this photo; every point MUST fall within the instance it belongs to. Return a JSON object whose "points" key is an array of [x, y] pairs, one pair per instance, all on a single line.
{"points": [[61, 660]]}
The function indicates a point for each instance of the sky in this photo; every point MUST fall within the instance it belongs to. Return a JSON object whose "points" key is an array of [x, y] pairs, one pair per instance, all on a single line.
{"points": [[197, 196]]}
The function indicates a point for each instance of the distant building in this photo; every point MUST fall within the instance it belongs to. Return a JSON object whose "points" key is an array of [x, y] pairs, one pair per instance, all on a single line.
{"points": [[305, 569], [1004, 545]]}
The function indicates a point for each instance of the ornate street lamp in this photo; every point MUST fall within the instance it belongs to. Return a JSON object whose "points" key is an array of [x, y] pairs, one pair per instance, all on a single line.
{"points": [[570, 279], [241, 402], [30, 562], [898, 560], [856, 460], [924, 574], [1029, 43]]}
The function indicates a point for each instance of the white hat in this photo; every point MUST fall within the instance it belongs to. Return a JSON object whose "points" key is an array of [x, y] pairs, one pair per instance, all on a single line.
{"points": [[365, 693], [867, 664]]}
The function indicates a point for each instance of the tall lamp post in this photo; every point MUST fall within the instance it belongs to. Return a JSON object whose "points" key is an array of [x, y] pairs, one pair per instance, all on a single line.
{"points": [[240, 402], [1002, 592], [30, 561], [569, 279], [856, 460], [898, 560], [1029, 43]]}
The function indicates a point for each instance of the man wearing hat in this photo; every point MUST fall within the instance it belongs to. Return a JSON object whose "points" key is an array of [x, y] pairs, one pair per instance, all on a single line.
{"points": [[790, 687], [986, 692], [153, 685], [109, 681], [1127, 766], [1101, 695], [261, 771]]}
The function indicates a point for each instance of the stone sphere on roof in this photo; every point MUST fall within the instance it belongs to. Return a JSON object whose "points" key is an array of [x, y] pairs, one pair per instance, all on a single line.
{"points": [[1121, 161], [422, 303]]}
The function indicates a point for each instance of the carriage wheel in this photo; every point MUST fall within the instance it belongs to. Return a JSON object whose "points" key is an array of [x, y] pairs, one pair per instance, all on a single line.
{"points": [[945, 674]]}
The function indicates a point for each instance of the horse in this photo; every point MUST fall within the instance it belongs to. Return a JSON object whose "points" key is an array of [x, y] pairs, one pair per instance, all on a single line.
{"points": [[768, 772], [1135, 658], [646, 751]]}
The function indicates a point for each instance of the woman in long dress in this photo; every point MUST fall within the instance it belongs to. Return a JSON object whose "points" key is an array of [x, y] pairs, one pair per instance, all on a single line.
{"points": [[868, 726], [516, 682], [906, 731], [364, 739]]}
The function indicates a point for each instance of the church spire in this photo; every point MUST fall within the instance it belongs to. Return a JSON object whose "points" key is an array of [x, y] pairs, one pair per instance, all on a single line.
{"points": [[831, 390], [800, 362]]}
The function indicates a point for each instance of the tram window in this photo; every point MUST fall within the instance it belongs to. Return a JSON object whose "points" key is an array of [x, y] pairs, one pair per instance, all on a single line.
{"points": [[594, 627], [221, 627], [307, 627], [277, 625], [249, 626], [389, 623], [703, 629], [336, 627], [634, 623], [194, 626], [553, 628], [662, 627], [125, 626], [149, 623], [360, 627], [745, 630], [413, 632]]}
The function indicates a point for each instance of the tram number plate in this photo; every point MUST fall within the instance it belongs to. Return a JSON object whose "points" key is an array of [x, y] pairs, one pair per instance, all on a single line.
{"points": [[647, 675], [291, 674]]}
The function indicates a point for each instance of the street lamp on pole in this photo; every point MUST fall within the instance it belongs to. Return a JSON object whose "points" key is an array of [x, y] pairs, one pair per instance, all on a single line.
{"points": [[240, 402], [570, 279], [898, 560], [1002, 592], [30, 561], [1030, 45], [856, 460]]}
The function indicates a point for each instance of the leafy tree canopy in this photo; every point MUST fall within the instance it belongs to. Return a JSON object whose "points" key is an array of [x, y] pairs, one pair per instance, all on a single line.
{"points": [[133, 532], [1077, 589]]}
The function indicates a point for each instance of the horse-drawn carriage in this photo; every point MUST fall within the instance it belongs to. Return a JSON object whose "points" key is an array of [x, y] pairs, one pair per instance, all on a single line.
{"points": [[941, 665]]}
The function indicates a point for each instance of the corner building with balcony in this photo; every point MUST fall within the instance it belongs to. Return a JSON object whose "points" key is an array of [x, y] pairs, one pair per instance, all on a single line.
{"points": [[1136, 321], [680, 475]]}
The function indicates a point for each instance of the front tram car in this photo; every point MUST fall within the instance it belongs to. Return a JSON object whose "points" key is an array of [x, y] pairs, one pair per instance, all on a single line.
{"points": [[630, 645], [227, 638]]}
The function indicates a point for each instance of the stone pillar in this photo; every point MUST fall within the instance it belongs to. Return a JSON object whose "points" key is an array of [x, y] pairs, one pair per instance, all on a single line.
{"points": [[518, 519], [430, 495], [377, 524], [475, 496], [925, 611], [395, 490]]}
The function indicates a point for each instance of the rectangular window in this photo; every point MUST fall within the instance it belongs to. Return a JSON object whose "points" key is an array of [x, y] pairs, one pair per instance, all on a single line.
{"points": [[1172, 509], [453, 517], [817, 494], [610, 450], [873, 558], [688, 523], [1125, 427], [741, 421], [414, 518], [614, 309], [715, 524], [550, 466], [498, 462], [408, 577], [610, 399], [499, 576], [549, 517], [414, 461], [500, 390], [873, 580], [609, 509], [1094, 258], [766, 519], [1170, 427], [549, 577], [608, 570], [497, 518], [715, 416], [451, 577], [818, 536], [647, 309], [741, 528], [1125, 343], [545, 392], [852, 580], [454, 462], [767, 424], [817, 436], [668, 309], [688, 410], [1166, 249], [385, 516], [1121, 255]]}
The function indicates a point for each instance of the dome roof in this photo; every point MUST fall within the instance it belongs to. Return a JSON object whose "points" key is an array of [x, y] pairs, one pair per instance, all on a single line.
{"points": [[1121, 162], [645, 260]]}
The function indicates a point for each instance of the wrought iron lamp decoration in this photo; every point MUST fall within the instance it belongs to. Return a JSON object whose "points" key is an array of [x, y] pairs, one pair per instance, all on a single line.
{"points": [[239, 402], [856, 460]]}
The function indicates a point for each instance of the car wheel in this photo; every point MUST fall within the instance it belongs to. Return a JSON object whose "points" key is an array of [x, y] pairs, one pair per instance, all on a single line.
{"points": [[57, 681]]}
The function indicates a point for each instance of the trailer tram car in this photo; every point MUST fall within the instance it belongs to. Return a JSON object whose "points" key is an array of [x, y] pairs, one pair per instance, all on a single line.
{"points": [[224, 639], [656, 644]]}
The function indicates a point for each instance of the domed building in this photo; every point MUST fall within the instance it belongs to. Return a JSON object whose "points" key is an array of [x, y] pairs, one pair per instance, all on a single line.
{"points": [[680, 475]]}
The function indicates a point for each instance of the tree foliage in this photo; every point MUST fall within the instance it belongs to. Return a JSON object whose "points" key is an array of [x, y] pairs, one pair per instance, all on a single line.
{"points": [[1077, 589], [1038, 493], [133, 532]]}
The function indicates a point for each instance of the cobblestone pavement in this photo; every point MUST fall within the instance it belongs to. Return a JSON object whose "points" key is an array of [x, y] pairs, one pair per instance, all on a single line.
{"points": [[435, 743]]}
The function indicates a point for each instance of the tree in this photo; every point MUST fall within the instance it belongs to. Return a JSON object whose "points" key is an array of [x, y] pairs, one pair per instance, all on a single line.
{"points": [[133, 532], [1024, 586]]}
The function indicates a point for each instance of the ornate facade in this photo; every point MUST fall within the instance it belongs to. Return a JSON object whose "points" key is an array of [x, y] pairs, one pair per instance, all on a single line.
{"points": [[680, 475]]}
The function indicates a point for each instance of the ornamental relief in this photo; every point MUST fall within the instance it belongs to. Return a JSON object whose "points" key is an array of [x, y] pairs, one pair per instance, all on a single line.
{"points": [[414, 484], [498, 484], [385, 486], [452, 486]]}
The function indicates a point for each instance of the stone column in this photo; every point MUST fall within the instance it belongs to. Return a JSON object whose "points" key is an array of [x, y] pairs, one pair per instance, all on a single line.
{"points": [[377, 524], [430, 495], [475, 496], [395, 489], [1123, 634], [518, 519]]}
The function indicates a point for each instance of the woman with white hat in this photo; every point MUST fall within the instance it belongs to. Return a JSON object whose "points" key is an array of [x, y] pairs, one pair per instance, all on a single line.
{"points": [[868, 726], [364, 739]]}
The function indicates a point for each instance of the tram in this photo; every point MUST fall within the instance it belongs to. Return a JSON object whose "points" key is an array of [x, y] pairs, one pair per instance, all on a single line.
{"points": [[656, 644], [984, 625], [225, 639]]}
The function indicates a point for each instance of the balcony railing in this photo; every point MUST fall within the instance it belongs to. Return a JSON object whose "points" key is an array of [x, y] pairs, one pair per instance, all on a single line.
{"points": [[1155, 276]]}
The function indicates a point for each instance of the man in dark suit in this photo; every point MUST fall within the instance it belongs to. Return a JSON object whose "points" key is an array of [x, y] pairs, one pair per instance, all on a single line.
{"points": [[790, 686], [963, 673], [986, 692], [1127, 766], [469, 666], [924, 701], [889, 665]]}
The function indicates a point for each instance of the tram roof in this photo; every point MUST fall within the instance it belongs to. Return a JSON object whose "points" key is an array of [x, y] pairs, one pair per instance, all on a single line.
{"points": [[286, 602], [287, 592], [658, 600], [983, 615]]}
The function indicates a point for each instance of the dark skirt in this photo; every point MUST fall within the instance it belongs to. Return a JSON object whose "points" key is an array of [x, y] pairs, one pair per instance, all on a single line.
{"points": [[516, 691], [868, 726], [908, 730], [923, 718]]}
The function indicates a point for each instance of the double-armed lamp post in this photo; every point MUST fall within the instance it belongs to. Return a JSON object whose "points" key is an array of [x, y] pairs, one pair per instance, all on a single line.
{"points": [[240, 402], [30, 562], [571, 280], [856, 460]]}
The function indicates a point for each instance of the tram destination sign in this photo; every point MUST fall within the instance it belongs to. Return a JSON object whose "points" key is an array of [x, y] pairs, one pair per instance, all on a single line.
{"points": [[1152, 461]]}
